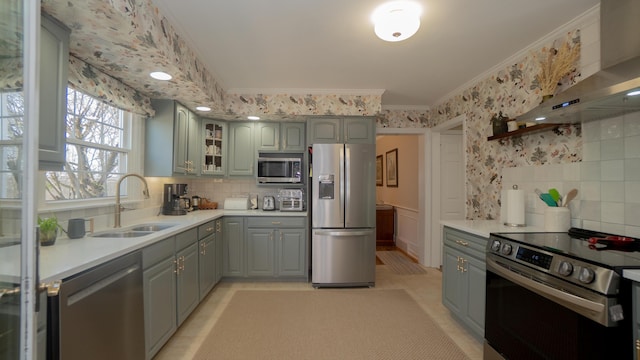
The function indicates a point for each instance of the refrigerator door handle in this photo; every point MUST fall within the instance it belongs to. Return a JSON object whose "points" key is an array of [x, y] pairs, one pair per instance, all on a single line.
{"points": [[342, 233], [343, 160]]}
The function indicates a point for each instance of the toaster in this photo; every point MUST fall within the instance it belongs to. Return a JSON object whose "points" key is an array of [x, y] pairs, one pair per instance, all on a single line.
{"points": [[268, 203], [291, 200]]}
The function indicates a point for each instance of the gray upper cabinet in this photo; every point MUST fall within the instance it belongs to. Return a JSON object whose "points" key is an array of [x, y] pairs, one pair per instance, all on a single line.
{"points": [[267, 136], [324, 131], [293, 136], [285, 136], [214, 147], [359, 130], [54, 69], [172, 145], [242, 155], [352, 130]]}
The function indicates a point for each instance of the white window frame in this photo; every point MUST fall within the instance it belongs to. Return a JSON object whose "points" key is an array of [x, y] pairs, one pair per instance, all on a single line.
{"points": [[131, 191]]}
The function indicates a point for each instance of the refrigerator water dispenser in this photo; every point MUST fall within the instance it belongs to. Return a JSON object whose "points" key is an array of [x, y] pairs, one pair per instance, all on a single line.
{"points": [[326, 187]]}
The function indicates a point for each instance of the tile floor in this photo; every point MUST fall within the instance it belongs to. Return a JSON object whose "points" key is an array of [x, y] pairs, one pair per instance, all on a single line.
{"points": [[425, 289]]}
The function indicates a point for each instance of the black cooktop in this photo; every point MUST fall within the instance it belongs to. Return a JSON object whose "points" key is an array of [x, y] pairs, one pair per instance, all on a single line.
{"points": [[576, 244]]}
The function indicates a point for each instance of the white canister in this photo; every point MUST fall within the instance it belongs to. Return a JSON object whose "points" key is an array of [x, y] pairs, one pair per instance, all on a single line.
{"points": [[557, 219]]}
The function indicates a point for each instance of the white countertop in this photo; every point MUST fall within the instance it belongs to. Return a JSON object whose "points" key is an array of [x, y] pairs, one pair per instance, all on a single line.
{"points": [[485, 227], [631, 275], [71, 256]]}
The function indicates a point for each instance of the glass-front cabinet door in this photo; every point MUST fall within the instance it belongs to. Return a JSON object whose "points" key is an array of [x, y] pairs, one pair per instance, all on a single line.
{"points": [[214, 157], [19, 31]]}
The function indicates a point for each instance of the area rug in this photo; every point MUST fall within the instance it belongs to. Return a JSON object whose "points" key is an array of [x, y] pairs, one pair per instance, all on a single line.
{"points": [[326, 324], [399, 263]]}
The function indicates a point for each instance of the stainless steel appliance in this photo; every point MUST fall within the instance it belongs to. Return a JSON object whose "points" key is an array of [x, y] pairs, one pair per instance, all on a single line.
{"points": [[268, 203], [279, 168], [99, 314], [174, 199], [343, 215], [291, 200], [558, 296]]}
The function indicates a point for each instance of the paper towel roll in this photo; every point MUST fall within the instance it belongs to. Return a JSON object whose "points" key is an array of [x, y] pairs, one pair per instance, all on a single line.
{"points": [[513, 207]]}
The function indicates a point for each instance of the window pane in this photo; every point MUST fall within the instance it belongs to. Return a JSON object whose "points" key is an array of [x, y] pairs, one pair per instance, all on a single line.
{"points": [[9, 174], [95, 154]]}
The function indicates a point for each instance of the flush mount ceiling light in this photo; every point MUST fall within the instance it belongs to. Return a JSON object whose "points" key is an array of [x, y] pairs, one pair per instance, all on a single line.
{"points": [[396, 20], [203, 108], [160, 75], [634, 93], [253, 117]]}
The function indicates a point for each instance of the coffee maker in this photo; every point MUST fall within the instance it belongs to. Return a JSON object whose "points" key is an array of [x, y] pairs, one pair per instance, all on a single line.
{"points": [[174, 199]]}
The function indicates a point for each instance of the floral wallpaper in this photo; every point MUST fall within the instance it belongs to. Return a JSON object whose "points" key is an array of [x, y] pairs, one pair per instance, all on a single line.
{"points": [[292, 105], [128, 38], [512, 90], [104, 87]]}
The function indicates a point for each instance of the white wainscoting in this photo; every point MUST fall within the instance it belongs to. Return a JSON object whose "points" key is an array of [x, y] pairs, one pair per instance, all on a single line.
{"points": [[406, 233]]}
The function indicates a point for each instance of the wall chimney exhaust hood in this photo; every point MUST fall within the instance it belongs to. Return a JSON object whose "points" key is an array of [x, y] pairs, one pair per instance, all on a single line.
{"points": [[604, 94]]}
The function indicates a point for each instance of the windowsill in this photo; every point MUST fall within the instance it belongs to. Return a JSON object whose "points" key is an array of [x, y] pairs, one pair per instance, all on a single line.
{"points": [[85, 204]]}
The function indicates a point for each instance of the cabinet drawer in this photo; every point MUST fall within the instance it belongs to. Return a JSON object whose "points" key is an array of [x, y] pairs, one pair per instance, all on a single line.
{"points": [[465, 242], [206, 229], [186, 238], [161, 250], [279, 222]]}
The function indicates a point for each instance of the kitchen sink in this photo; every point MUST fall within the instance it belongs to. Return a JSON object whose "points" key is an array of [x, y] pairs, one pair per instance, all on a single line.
{"points": [[123, 234], [134, 231], [151, 227]]}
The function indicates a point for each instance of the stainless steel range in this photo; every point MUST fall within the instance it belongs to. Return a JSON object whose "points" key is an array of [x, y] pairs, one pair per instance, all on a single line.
{"points": [[559, 296]]}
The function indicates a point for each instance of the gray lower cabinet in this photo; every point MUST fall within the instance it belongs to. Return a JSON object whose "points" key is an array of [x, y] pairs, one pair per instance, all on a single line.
{"points": [[233, 247], [265, 247], [207, 258], [219, 251], [276, 247], [160, 296], [463, 278], [171, 287], [188, 286], [636, 319]]}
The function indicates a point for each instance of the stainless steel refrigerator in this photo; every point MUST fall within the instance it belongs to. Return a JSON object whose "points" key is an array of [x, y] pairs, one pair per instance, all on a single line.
{"points": [[343, 215]]}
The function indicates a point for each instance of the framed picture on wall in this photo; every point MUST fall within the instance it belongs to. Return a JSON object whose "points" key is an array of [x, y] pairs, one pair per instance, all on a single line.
{"points": [[379, 171], [392, 168]]}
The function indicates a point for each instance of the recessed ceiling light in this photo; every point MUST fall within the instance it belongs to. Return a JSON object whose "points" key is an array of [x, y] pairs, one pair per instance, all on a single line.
{"points": [[203, 108], [541, 118], [396, 20], [160, 75], [253, 117], [634, 93]]}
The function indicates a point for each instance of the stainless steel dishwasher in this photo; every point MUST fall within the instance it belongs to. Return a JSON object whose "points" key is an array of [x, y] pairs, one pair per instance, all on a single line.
{"points": [[100, 313]]}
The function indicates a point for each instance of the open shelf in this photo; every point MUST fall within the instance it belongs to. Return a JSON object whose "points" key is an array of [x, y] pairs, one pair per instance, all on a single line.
{"points": [[523, 131]]}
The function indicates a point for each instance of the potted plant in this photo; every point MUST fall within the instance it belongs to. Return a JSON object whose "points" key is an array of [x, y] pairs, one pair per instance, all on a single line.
{"points": [[48, 229]]}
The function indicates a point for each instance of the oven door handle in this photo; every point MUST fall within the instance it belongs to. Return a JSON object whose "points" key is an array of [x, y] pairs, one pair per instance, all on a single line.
{"points": [[544, 290]]}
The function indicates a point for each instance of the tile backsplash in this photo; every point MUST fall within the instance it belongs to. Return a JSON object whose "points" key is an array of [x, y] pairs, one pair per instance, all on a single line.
{"points": [[608, 179]]}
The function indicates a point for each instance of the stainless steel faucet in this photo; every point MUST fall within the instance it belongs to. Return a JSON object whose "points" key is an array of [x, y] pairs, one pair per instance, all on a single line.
{"points": [[119, 208]]}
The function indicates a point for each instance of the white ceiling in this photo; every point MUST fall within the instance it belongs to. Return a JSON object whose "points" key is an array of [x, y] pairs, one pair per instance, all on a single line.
{"points": [[260, 46]]}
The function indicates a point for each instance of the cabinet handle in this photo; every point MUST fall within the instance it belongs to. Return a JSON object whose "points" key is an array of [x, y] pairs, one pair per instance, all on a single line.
{"points": [[637, 349], [218, 226], [177, 267], [463, 243], [281, 238], [464, 268], [209, 229], [203, 249], [275, 222]]}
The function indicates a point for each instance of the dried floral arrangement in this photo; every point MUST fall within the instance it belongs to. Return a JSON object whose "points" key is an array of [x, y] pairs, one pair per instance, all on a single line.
{"points": [[557, 64]]}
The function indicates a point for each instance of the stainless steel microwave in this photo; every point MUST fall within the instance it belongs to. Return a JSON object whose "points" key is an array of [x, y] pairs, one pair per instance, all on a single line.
{"points": [[279, 170]]}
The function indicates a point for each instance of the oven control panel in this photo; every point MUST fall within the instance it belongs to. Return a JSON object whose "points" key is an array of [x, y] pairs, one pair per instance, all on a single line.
{"points": [[596, 278]]}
